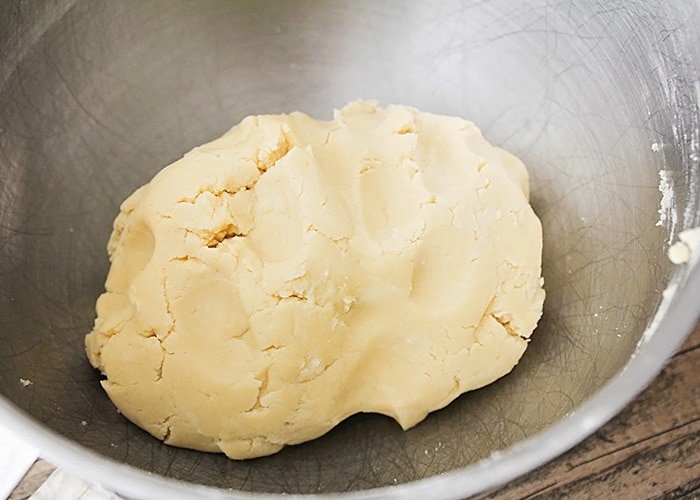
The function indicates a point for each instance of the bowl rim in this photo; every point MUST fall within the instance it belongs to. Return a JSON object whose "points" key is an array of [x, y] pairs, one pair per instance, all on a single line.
{"points": [[672, 323]]}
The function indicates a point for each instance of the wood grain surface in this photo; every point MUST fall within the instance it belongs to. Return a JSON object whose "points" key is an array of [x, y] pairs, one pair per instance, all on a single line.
{"points": [[650, 450]]}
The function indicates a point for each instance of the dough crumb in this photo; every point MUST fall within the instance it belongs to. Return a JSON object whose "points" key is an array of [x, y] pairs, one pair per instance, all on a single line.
{"points": [[655, 147], [686, 248], [294, 272], [679, 253], [25, 382]]}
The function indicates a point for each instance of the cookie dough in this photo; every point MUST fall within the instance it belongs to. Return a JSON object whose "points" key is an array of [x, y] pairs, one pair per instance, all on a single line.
{"points": [[294, 272]]}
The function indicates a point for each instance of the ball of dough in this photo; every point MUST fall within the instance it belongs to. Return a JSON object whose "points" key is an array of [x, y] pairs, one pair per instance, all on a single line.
{"points": [[294, 272]]}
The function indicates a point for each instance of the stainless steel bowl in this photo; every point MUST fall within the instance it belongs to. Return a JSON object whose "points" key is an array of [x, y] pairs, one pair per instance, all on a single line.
{"points": [[596, 97]]}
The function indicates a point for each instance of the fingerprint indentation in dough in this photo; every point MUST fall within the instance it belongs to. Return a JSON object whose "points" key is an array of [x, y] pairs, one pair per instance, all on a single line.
{"points": [[211, 311], [390, 207], [441, 273]]}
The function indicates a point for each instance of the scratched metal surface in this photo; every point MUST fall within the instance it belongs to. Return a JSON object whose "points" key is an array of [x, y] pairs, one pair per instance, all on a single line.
{"points": [[95, 97]]}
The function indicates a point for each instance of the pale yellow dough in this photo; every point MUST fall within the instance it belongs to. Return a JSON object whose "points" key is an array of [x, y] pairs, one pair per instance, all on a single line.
{"points": [[294, 272]]}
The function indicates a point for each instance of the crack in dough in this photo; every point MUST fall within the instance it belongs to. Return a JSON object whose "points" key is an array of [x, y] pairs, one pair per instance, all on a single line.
{"points": [[294, 272]]}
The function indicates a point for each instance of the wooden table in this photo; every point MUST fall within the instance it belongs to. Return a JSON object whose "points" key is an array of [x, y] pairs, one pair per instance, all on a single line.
{"points": [[650, 450]]}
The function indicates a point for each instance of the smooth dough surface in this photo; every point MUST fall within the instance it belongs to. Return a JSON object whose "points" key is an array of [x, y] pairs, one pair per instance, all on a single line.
{"points": [[294, 272]]}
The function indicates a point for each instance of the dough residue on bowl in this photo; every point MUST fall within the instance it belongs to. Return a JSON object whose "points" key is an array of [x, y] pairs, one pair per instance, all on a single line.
{"points": [[294, 272]]}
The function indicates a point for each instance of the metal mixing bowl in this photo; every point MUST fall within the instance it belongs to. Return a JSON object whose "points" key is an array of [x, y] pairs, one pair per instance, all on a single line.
{"points": [[95, 97]]}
